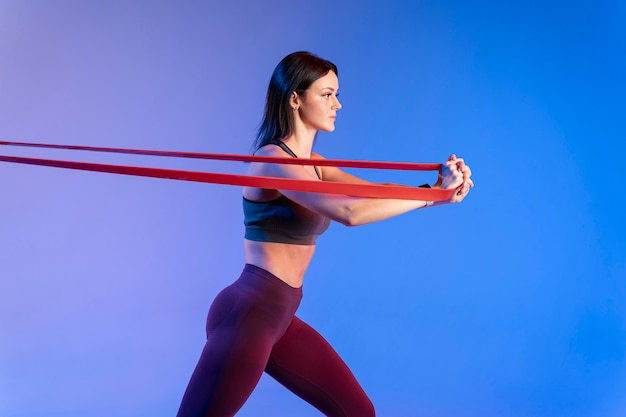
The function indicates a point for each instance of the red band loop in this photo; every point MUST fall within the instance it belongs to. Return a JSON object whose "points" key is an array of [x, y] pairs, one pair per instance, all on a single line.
{"points": [[344, 188], [352, 189], [406, 166]]}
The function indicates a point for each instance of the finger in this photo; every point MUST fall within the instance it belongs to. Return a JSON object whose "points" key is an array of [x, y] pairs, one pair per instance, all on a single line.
{"points": [[455, 179], [454, 163], [449, 166], [466, 187], [467, 173]]}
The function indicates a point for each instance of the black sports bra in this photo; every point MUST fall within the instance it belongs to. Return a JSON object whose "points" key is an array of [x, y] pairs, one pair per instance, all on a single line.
{"points": [[282, 220]]}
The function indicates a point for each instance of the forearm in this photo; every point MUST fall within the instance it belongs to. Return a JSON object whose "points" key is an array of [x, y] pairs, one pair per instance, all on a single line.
{"points": [[362, 211]]}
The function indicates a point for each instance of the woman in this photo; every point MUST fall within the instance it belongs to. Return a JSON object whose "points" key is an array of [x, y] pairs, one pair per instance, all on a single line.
{"points": [[251, 326]]}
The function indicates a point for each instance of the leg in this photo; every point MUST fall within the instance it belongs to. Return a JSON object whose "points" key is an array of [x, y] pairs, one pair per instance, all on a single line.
{"points": [[229, 368], [305, 363], [244, 322]]}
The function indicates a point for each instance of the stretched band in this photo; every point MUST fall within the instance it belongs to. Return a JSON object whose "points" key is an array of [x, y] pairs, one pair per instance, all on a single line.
{"points": [[406, 166], [352, 189]]}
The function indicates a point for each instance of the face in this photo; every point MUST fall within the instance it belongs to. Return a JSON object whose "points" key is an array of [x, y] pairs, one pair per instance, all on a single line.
{"points": [[318, 106]]}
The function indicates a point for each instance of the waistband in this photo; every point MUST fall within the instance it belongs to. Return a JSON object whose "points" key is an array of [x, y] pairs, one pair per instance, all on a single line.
{"points": [[261, 279]]}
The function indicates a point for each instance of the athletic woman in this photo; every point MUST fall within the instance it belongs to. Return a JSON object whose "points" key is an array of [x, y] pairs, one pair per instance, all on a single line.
{"points": [[251, 325]]}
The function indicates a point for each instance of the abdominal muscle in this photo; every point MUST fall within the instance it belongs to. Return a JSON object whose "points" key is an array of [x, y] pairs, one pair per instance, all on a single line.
{"points": [[286, 261]]}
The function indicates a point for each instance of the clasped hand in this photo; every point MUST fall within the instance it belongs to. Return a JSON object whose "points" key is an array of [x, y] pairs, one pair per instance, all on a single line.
{"points": [[455, 174]]}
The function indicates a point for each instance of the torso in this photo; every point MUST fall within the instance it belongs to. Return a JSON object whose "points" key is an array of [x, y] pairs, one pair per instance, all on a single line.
{"points": [[288, 262]]}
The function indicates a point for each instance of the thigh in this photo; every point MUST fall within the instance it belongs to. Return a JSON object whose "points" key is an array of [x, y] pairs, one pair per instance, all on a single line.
{"points": [[226, 374], [233, 359], [305, 363]]}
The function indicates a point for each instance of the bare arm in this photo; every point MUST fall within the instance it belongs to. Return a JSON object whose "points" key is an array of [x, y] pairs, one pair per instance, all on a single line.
{"points": [[338, 175], [348, 210], [454, 173]]}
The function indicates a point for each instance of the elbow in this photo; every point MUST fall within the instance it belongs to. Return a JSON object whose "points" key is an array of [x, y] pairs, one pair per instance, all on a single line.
{"points": [[349, 222], [350, 218], [350, 213]]}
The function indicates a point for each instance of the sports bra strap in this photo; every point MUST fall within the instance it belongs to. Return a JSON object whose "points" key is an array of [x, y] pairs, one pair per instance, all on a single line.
{"points": [[286, 148]]}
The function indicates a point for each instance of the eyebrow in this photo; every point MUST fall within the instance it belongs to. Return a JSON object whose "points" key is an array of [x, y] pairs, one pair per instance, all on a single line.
{"points": [[329, 88]]}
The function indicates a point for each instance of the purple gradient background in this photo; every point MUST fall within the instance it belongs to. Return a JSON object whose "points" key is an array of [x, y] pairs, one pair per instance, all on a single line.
{"points": [[511, 304]]}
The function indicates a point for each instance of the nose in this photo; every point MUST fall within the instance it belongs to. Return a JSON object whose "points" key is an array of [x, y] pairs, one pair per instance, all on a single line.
{"points": [[337, 105]]}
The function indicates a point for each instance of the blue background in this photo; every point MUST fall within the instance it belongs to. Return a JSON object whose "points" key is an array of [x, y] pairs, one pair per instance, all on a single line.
{"points": [[510, 304]]}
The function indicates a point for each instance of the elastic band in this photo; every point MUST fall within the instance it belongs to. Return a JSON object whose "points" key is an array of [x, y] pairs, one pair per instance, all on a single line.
{"points": [[343, 188], [401, 166]]}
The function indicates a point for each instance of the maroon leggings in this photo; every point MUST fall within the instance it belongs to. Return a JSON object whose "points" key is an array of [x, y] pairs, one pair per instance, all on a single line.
{"points": [[251, 328]]}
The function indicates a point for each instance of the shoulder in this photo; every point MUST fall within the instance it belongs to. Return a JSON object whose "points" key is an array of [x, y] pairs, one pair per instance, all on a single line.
{"points": [[269, 150], [271, 169]]}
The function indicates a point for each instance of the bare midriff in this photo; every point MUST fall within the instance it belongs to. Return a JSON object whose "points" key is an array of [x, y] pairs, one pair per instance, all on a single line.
{"points": [[286, 261]]}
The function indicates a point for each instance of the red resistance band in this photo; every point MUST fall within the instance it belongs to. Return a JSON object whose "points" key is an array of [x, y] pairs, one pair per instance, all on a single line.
{"points": [[352, 189]]}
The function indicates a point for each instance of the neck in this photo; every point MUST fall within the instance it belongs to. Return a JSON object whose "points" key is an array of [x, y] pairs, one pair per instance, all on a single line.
{"points": [[300, 143]]}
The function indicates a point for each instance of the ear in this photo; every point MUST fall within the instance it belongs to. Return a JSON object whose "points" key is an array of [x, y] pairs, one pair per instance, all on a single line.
{"points": [[294, 100]]}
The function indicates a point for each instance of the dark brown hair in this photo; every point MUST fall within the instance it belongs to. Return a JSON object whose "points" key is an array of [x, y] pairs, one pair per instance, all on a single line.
{"points": [[295, 72]]}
